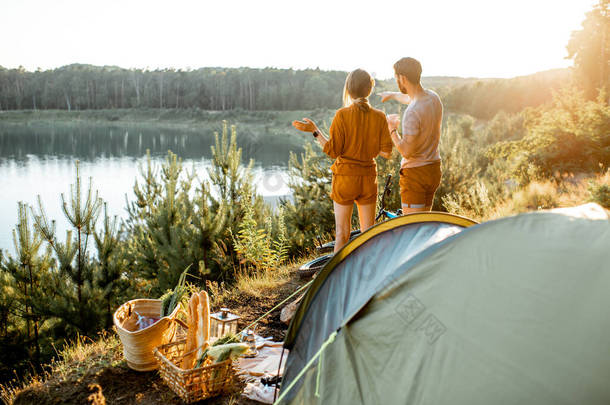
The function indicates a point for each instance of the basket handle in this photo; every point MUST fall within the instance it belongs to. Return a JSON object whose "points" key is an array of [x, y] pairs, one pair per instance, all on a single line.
{"points": [[179, 322]]}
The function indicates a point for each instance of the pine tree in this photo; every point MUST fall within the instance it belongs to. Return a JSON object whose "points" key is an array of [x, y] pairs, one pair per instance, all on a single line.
{"points": [[108, 272], [232, 180], [7, 299], [170, 228], [310, 213], [235, 186], [28, 271], [82, 216], [16, 347], [73, 297]]}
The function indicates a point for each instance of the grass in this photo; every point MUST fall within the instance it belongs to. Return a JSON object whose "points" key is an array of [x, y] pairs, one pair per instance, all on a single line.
{"points": [[93, 371], [85, 355], [78, 358], [258, 283]]}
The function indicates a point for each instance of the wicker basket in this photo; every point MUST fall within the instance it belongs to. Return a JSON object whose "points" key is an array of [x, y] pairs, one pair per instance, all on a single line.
{"points": [[195, 384], [138, 345]]}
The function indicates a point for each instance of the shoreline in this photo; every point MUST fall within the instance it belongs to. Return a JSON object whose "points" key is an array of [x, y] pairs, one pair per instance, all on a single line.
{"points": [[172, 116]]}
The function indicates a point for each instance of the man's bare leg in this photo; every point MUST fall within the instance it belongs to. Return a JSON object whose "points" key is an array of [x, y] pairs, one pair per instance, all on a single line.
{"points": [[411, 208]]}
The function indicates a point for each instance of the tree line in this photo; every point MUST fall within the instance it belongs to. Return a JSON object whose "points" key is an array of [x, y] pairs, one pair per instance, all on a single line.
{"points": [[80, 87], [87, 87]]}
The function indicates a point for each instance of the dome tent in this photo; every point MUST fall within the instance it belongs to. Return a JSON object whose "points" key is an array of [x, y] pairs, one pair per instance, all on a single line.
{"points": [[510, 311], [355, 273]]}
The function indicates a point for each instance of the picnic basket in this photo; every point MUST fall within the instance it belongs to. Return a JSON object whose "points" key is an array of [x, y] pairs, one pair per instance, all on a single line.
{"points": [[138, 345], [195, 384]]}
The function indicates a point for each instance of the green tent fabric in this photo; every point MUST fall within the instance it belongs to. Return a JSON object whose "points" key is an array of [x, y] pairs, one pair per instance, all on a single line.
{"points": [[511, 311]]}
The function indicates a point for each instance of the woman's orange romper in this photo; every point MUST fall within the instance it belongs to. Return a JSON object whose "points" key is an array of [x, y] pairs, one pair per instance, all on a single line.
{"points": [[356, 138]]}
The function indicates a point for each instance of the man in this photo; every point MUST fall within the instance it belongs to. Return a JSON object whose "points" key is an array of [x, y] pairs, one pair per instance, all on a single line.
{"points": [[420, 169]]}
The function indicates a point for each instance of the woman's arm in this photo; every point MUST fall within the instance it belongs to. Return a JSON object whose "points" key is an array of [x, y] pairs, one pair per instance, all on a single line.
{"points": [[308, 125]]}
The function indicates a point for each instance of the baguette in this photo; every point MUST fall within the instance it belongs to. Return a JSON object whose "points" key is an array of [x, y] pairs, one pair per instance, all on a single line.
{"points": [[206, 315], [203, 323], [191, 338]]}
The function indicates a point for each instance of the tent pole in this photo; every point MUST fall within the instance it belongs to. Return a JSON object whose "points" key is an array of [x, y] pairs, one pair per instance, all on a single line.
{"points": [[277, 380]]}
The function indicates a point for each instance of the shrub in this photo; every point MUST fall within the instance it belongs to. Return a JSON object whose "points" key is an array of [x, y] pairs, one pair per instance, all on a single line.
{"points": [[473, 202], [599, 190], [536, 196], [255, 246], [459, 158], [572, 134]]}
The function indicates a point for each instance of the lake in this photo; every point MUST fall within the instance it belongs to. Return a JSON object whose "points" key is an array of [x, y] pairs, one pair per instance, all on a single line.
{"points": [[39, 159]]}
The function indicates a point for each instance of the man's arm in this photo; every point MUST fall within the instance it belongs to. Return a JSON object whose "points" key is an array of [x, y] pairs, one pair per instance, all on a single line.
{"points": [[395, 95], [404, 144]]}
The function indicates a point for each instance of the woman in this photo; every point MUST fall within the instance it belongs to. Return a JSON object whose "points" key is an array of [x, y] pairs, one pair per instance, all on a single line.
{"points": [[358, 134]]}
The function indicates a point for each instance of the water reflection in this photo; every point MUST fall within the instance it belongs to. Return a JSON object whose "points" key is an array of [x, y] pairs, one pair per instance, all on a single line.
{"points": [[88, 142], [39, 160]]}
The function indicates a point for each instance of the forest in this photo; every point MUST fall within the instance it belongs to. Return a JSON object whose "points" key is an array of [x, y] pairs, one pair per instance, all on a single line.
{"points": [[508, 146], [86, 87]]}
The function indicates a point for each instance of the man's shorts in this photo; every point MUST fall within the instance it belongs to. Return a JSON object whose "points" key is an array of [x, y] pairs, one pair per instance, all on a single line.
{"points": [[418, 184], [347, 189]]}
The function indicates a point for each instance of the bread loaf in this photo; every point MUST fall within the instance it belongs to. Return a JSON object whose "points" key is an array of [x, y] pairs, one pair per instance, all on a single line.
{"points": [[191, 338], [203, 323]]}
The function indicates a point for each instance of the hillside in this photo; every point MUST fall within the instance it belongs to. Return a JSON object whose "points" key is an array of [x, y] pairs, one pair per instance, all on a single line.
{"points": [[94, 372]]}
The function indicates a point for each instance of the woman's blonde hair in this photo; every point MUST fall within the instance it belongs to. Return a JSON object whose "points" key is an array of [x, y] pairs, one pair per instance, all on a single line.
{"points": [[358, 87]]}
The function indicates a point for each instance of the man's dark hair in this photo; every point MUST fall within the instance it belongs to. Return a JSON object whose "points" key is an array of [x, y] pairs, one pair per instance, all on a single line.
{"points": [[409, 68]]}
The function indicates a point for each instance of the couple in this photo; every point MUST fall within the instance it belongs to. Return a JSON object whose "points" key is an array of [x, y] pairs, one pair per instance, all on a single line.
{"points": [[359, 133]]}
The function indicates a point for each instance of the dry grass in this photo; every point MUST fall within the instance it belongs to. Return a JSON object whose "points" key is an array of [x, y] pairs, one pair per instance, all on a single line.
{"points": [[536, 196], [78, 358], [85, 355], [258, 283], [9, 391], [567, 190], [248, 282]]}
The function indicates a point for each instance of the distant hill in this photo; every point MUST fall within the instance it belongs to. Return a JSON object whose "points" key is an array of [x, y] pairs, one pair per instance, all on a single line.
{"points": [[484, 98], [448, 81]]}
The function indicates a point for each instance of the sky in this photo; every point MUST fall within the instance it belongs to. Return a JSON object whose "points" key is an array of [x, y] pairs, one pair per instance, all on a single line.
{"points": [[468, 38]]}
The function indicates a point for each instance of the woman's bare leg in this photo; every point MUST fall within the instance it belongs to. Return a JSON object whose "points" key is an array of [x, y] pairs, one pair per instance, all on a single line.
{"points": [[366, 215], [343, 217]]}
